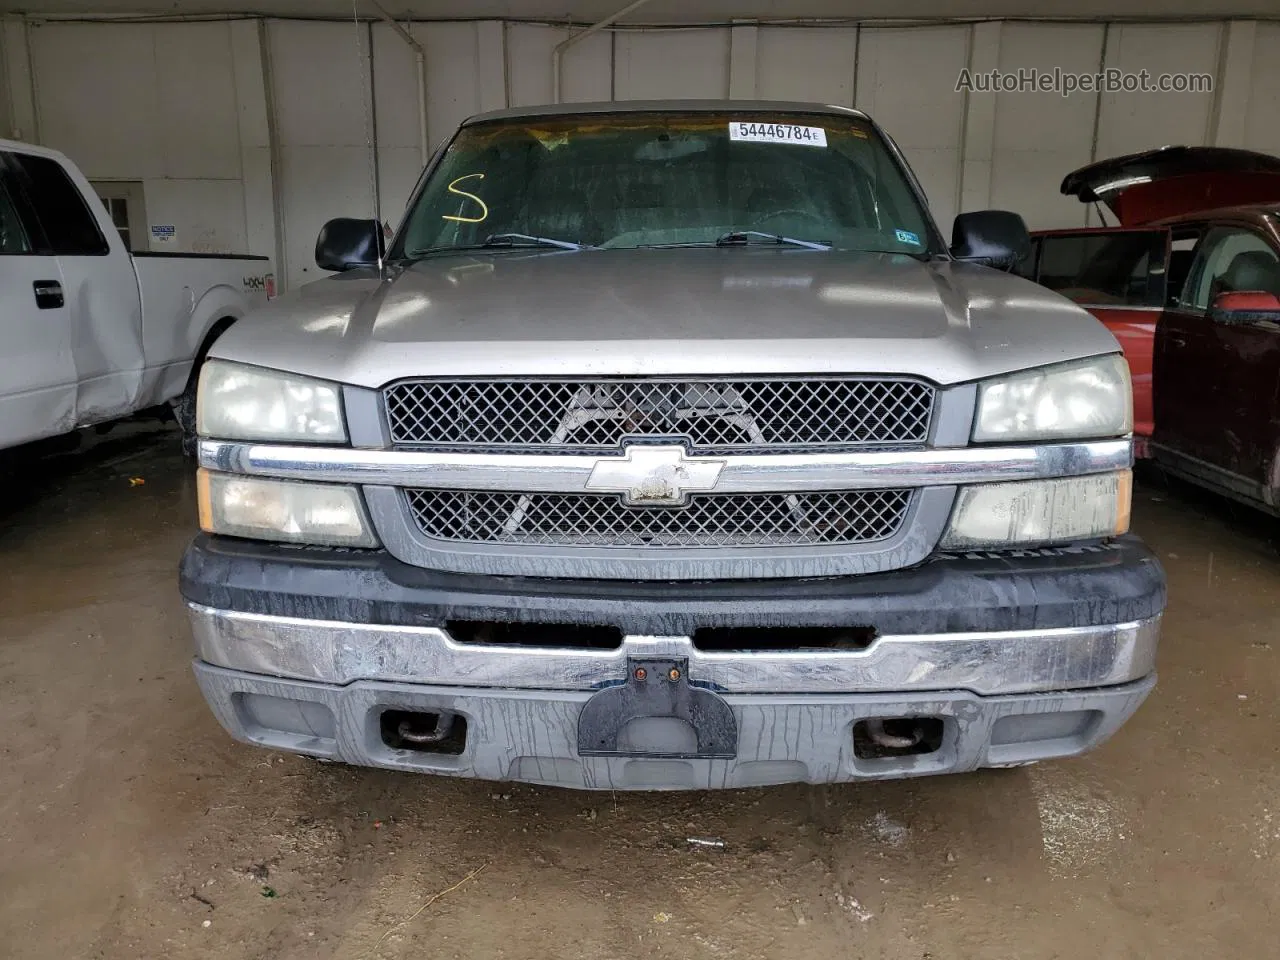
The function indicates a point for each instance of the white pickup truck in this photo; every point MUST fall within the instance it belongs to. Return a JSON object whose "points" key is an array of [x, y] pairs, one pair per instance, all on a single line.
{"points": [[90, 331]]}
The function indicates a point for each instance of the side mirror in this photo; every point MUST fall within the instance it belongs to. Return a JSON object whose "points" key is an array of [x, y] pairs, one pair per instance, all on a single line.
{"points": [[993, 238], [1243, 305], [345, 244]]}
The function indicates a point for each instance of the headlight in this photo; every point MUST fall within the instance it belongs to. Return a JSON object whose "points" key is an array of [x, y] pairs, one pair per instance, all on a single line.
{"points": [[239, 402], [327, 514], [994, 515], [1071, 401]]}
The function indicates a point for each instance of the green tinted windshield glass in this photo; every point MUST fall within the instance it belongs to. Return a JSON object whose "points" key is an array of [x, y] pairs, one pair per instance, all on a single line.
{"points": [[646, 179]]}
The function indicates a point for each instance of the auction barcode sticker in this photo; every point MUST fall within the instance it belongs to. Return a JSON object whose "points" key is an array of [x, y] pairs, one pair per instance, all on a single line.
{"points": [[778, 133]]}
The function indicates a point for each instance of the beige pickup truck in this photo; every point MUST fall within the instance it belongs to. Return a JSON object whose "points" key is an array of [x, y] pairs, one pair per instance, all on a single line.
{"points": [[669, 446]]}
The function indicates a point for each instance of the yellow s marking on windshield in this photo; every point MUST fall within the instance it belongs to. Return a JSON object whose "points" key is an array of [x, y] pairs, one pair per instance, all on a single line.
{"points": [[471, 196]]}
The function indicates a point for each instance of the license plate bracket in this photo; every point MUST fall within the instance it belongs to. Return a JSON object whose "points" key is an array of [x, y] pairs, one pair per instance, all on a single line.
{"points": [[657, 687]]}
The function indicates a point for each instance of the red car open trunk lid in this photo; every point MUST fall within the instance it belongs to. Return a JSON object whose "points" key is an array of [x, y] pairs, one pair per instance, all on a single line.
{"points": [[1142, 187]]}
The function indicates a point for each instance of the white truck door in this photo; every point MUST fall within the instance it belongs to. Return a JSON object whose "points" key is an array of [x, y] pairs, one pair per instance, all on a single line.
{"points": [[37, 375], [100, 288]]}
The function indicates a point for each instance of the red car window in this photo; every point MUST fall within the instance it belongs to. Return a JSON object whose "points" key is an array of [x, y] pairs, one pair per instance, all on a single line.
{"points": [[1107, 268]]}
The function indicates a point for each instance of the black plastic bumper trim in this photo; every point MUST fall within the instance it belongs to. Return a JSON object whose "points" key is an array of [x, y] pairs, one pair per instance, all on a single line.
{"points": [[1086, 585]]}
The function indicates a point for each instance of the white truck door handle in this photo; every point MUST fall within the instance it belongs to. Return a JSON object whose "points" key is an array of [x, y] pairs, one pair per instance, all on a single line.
{"points": [[48, 294]]}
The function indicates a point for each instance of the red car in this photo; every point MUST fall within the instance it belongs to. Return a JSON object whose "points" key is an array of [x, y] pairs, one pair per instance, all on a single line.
{"points": [[1140, 273]]}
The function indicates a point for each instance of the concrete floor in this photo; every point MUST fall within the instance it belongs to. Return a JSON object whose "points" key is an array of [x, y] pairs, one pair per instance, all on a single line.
{"points": [[131, 826]]}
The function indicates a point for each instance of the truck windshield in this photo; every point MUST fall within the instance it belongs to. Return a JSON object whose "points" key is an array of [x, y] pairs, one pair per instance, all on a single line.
{"points": [[667, 179]]}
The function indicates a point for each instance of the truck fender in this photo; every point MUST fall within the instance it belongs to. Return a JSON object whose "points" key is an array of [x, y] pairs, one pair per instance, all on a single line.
{"points": [[212, 316], [220, 306], [184, 404], [216, 329]]}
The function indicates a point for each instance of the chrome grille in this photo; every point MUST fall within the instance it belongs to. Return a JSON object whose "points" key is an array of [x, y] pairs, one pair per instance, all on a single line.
{"points": [[713, 416], [709, 520]]}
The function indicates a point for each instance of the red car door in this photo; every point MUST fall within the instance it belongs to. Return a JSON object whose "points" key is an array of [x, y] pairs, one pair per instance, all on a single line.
{"points": [[1218, 373]]}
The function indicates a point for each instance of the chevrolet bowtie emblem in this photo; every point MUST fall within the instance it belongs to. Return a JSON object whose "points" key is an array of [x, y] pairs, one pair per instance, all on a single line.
{"points": [[658, 476]]}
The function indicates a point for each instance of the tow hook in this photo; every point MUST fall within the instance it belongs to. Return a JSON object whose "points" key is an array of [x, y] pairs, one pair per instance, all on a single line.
{"points": [[416, 730], [891, 741]]}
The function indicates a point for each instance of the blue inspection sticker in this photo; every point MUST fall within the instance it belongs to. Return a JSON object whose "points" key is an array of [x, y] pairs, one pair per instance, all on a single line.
{"points": [[906, 236]]}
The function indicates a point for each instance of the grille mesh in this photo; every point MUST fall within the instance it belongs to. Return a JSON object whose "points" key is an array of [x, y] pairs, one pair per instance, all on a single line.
{"points": [[713, 416], [710, 520]]}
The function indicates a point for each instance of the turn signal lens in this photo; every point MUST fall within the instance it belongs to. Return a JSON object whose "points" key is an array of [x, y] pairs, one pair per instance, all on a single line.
{"points": [[1038, 512], [326, 514]]}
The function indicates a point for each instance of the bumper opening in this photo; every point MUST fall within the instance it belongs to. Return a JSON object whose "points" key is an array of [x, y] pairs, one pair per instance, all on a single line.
{"points": [[443, 732], [882, 738], [574, 636], [767, 639]]}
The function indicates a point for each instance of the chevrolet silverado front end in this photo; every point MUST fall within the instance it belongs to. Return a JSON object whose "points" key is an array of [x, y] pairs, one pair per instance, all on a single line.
{"points": [[668, 447]]}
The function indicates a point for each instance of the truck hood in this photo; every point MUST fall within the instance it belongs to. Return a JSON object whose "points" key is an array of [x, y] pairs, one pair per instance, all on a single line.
{"points": [[1171, 181], [675, 311]]}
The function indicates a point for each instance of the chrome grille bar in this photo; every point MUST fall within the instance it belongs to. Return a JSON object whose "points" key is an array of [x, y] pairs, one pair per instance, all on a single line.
{"points": [[749, 473]]}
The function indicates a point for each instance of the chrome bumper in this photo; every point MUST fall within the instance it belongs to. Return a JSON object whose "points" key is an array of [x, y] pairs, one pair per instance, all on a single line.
{"points": [[987, 664]]}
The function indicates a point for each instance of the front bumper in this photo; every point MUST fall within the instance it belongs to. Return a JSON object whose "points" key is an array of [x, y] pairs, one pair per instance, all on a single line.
{"points": [[1018, 658], [530, 735]]}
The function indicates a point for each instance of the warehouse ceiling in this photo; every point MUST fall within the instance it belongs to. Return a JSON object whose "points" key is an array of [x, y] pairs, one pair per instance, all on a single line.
{"points": [[662, 11]]}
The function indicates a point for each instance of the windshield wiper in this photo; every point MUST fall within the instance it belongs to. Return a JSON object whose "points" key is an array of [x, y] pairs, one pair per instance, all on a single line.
{"points": [[740, 238], [525, 240], [501, 241]]}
